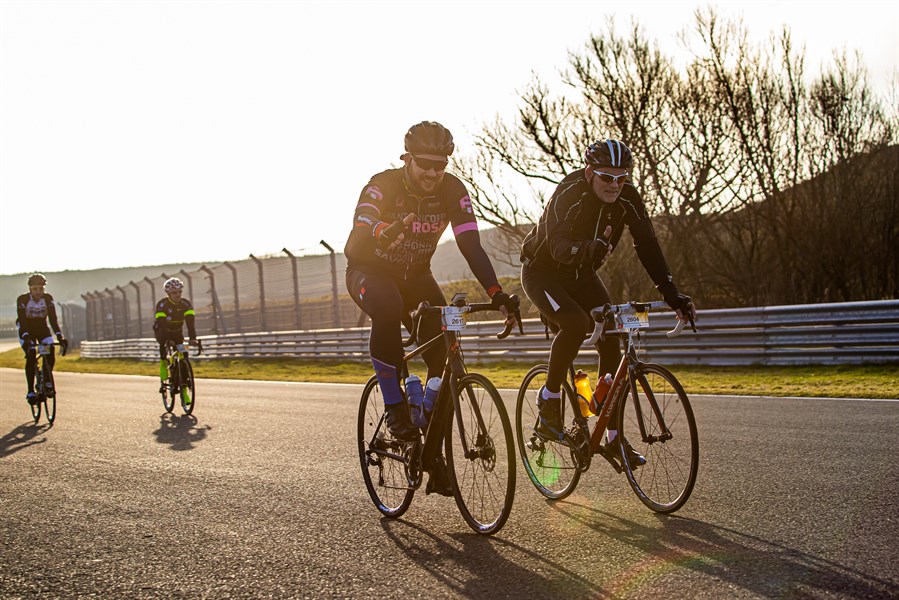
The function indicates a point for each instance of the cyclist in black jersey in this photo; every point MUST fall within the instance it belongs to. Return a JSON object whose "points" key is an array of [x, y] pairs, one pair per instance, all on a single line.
{"points": [[577, 231], [172, 313], [399, 219], [32, 312]]}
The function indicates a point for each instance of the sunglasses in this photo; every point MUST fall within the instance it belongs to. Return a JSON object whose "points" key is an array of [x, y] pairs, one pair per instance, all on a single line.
{"points": [[609, 178], [426, 165]]}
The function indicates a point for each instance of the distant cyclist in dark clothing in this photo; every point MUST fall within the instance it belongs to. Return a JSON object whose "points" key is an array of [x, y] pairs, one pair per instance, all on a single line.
{"points": [[33, 310], [399, 219], [580, 226], [172, 313]]}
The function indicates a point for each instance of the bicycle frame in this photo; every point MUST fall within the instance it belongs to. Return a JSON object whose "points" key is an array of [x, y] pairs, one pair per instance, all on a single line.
{"points": [[628, 323], [453, 370]]}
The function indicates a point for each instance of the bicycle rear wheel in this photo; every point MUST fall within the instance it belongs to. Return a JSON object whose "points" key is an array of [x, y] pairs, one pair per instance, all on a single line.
{"points": [[188, 393], [383, 470], [49, 394], [665, 482], [484, 478], [551, 466]]}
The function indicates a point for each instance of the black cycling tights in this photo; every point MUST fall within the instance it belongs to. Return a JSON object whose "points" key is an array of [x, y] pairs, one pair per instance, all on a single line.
{"points": [[388, 301], [566, 303]]}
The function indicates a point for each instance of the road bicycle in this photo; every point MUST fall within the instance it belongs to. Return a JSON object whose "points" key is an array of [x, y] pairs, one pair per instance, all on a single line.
{"points": [[180, 381], [44, 386], [645, 404], [468, 418]]}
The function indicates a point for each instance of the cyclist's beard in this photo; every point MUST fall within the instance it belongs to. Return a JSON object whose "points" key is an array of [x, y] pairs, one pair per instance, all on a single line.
{"points": [[426, 185]]}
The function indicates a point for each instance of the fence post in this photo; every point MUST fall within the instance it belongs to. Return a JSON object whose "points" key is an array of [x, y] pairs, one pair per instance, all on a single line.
{"points": [[140, 320], [296, 289], [190, 285], [233, 270], [262, 322], [87, 319], [333, 283], [216, 309], [124, 308], [115, 329], [152, 297]]}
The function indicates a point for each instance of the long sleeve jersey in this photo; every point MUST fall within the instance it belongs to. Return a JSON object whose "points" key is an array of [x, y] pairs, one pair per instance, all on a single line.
{"points": [[170, 316], [32, 315], [386, 199], [574, 216]]}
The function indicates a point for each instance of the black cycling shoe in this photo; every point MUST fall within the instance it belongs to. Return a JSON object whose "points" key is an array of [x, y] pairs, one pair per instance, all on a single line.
{"points": [[550, 423], [398, 422], [634, 458], [438, 480], [32, 398]]}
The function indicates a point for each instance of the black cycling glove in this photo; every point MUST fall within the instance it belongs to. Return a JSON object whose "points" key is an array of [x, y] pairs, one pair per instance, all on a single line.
{"points": [[501, 298], [674, 298]]}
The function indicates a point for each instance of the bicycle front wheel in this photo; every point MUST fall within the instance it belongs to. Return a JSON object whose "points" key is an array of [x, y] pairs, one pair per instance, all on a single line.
{"points": [[39, 390], [188, 392], [550, 464], [658, 422], [380, 455], [49, 393], [168, 397], [480, 456]]}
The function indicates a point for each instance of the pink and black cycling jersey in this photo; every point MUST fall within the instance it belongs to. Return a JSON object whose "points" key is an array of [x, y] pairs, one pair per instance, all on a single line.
{"points": [[387, 199]]}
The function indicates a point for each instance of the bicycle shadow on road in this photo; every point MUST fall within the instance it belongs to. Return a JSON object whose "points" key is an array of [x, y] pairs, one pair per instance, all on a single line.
{"points": [[180, 432], [765, 568], [21, 437], [496, 566]]}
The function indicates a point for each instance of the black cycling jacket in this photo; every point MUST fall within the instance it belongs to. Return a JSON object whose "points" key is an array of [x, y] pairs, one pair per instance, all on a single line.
{"points": [[170, 317], [32, 315], [387, 199], [574, 215]]}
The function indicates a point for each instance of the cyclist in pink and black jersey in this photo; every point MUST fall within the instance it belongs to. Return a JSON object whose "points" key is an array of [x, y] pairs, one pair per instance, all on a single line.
{"points": [[397, 225], [33, 310]]}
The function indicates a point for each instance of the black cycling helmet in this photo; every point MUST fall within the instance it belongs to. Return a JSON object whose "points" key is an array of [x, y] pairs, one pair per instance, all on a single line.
{"points": [[37, 279], [609, 153], [429, 137]]}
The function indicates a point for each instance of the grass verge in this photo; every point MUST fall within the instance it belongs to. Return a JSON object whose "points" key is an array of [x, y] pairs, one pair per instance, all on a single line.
{"points": [[837, 381]]}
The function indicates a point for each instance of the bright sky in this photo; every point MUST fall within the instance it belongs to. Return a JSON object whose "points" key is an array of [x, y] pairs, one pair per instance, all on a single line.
{"points": [[153, 132]]}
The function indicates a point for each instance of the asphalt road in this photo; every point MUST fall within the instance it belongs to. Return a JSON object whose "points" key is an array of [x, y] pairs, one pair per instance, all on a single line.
{"points": [[260, 495]]}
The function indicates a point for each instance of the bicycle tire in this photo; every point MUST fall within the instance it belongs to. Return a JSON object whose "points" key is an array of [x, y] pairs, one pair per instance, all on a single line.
{"points": [[550, 465], [484, 481], [385, 477], [49, 398], [666, 481], [168, 398], [39, 390], [188, 390]]}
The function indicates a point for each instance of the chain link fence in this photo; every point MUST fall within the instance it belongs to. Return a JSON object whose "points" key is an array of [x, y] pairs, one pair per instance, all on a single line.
{"points": [[270, 293]]}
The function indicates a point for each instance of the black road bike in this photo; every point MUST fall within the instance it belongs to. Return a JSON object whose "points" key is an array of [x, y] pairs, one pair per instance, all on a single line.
{"points": [[44, 386], [468, 418], [180, 381]]}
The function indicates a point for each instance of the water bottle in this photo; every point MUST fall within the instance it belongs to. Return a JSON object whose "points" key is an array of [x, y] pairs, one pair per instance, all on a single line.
{"points": [[416, 395], [431, 391], [600, 393], [582, 383]]}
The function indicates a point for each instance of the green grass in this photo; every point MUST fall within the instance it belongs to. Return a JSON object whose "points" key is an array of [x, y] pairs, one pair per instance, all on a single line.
{"points": [[842, 381]]}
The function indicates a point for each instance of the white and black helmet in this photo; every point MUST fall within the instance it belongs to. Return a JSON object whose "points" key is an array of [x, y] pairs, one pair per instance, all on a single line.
{"points": [[172, 284], [608, 153]]}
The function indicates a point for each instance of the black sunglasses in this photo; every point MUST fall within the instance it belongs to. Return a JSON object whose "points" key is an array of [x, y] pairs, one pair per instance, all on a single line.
{"points": [[609, 178], [426, 164]]}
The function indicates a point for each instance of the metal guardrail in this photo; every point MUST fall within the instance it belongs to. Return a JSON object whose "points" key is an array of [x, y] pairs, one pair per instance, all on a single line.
{"points": [[840, 333]]}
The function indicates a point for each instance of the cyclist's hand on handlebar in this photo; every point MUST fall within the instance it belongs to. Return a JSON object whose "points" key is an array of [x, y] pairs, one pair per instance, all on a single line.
{"points": [[391, 236], [509, 307]]}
